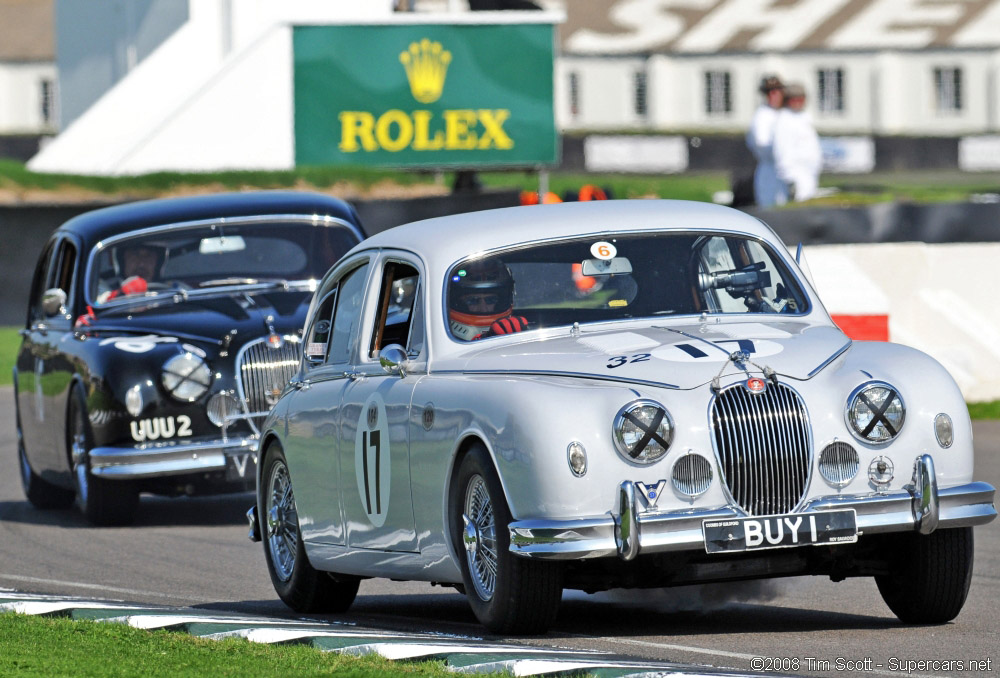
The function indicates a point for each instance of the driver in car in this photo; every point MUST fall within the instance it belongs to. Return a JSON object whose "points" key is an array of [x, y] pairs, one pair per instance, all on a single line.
{"points": [[481, 301], [138, 265]]}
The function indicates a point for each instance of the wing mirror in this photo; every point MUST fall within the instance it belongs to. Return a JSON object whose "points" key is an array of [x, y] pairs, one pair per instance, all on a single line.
{"points": [[391, 358], [54, 302]]}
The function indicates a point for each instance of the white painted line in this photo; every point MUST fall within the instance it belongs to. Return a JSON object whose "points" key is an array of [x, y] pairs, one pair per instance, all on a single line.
{"points": [[397, 651], [98, 587], [48, 607], [267, 636], [159, 621]]}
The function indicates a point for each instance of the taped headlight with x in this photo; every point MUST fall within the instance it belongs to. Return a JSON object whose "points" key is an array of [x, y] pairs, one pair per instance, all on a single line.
{"points": [[875, 413], [643, 431]]}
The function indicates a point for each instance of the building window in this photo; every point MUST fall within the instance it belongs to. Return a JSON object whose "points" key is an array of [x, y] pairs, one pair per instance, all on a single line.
{"points": [[831, 90], [948, 89], [640, 94], [47, 103], [718, 93], [574, 94]]}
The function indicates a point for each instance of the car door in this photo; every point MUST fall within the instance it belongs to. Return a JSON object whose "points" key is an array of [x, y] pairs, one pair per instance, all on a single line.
{"points": [[44, 371], [313, 441], [374, 453]]}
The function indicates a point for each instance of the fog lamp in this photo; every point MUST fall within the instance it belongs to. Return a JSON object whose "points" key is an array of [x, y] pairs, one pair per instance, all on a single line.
{"points": [[221, 407]]}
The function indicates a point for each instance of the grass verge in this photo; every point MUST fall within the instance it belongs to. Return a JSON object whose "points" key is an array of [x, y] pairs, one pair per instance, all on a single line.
{"points": [[9, 342], [46, 647], [18, 183]]}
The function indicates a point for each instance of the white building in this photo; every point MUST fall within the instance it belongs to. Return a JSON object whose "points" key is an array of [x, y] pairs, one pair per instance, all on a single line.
{"points": [[872, 67], [27, 68]]}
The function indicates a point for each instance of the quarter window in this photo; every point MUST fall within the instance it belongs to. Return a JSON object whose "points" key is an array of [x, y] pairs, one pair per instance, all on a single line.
{"points": [[394, 320], [347, 315]]}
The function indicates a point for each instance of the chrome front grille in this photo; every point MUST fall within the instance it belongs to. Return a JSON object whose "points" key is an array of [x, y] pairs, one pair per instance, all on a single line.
{"points": [[263, 373], [763, 443]]}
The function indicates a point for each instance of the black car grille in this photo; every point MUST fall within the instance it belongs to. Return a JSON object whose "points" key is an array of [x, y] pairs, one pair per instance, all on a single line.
{"points": [[263, 373], [763, 444]]}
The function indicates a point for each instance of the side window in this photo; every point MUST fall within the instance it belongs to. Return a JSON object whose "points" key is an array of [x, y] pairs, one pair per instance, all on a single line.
{"points": [[347, 315], [319, 333], [40, 283], [393, 321]]}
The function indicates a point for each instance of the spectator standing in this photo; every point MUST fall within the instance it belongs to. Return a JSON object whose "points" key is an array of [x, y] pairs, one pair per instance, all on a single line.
{"points": [[798, 158], [767, 189]]}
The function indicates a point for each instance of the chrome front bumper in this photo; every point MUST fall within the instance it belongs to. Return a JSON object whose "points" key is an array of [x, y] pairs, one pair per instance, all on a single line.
{"points": [[628, 531], [152, 461]]}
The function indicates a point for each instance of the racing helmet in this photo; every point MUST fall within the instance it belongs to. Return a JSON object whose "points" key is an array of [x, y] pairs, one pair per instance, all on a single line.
{"points": [[118, 255], [479, 293]]}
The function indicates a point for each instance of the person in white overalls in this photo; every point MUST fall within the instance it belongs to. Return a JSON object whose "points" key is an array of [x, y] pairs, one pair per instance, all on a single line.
{"points": [[767, 189], [798, 157]]}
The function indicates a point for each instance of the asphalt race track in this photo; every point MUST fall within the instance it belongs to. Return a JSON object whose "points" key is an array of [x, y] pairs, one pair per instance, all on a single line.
{"points": [[194, 552]]}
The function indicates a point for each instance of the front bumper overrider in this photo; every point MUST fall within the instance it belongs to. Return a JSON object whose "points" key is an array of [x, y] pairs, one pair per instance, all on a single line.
{"points": [[628, 530], [164, 459]]}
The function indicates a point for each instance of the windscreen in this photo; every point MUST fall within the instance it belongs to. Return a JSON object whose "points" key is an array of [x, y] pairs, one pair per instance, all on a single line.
{"points": [[214, 256], [617, 277]]}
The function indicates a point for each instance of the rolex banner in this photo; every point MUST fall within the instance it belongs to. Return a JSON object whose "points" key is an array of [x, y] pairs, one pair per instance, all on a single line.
{"points": [[424, 95]]}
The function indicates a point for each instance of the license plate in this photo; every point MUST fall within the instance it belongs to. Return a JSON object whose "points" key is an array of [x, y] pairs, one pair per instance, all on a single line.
{"points": [[241, 467], [772, 532]]}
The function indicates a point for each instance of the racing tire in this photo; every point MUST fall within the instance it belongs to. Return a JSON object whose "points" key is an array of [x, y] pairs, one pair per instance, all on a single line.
{"points": [[299, 585], [105, 503], [40, 493], [509, 594], [929, 575]]}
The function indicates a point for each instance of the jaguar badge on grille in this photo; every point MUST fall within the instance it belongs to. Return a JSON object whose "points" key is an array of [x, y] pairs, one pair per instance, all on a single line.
{"points": [[756, 385]]}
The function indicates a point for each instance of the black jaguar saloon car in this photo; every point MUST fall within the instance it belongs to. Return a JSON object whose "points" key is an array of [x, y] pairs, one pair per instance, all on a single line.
{"points": [[158, 335]]}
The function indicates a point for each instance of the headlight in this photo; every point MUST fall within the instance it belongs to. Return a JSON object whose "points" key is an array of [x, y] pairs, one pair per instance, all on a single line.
{"points": [[643, 431], [186, 377], [875, 413]]}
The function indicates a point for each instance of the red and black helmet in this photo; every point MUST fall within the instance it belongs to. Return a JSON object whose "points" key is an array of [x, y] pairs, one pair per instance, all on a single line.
{"points": [[479, 293]]}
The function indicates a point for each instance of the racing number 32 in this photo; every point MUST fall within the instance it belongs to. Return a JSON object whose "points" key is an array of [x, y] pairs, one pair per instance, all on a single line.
{"points": [[620, 360]]}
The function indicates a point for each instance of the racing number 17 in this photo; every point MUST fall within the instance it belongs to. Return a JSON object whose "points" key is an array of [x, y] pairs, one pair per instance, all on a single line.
{"points": [[375, 439]]}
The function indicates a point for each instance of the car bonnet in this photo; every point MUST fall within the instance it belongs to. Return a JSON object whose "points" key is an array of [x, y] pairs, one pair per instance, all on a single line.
{"points": [[677, 355]]}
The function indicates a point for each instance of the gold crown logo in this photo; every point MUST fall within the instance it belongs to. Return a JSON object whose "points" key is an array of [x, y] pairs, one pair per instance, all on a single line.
{"points": [[426, 67]]}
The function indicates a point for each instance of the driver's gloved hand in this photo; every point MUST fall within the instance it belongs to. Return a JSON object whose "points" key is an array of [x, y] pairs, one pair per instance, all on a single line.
{"points": [[134, 285]]}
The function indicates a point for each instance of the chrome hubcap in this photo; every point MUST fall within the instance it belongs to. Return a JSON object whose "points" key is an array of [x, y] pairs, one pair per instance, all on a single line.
{"points": [[479, 537], [282, 522]]}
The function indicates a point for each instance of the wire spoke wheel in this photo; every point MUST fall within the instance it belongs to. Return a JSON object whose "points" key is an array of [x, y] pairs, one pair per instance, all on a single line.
{"points": [[480, 537], [282, 521]]}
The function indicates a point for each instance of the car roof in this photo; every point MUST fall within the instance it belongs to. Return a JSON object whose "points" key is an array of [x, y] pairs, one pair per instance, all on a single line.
{"points": [[445, 240], [98, 224]]}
